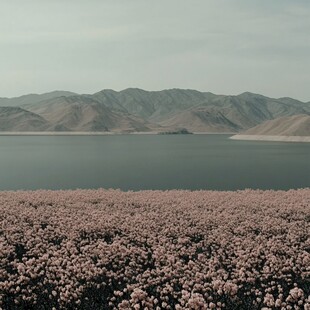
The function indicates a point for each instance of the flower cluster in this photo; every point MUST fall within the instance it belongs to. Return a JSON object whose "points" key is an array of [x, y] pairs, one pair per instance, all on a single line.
{"points": [[108, 249]]}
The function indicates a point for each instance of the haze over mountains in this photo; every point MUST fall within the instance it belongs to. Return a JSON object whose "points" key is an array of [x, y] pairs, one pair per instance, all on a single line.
{"points": [[137, 110]]}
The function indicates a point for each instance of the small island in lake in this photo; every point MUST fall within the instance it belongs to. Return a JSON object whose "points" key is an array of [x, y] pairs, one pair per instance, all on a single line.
{"points": [[182, 131]]}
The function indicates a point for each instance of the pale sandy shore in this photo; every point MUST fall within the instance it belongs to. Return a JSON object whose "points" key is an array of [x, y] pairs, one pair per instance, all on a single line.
{"points": [[272, 138]]}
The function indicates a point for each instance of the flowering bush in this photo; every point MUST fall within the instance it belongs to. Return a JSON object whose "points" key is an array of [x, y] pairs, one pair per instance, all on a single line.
{"points": [[107, 249]]}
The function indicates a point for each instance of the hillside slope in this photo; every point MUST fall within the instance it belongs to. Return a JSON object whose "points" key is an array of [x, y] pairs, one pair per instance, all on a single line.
{"points": [[294, 128], [81, 113], [296, 125], [17, 119], [154, 106]]}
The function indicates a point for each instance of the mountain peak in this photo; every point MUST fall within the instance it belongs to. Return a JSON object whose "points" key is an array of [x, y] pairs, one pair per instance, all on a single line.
{"points": [[248, 94], [133, 90]]}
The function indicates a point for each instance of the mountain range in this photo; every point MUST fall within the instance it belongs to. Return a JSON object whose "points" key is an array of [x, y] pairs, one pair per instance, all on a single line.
{"points": [[137, 110]]}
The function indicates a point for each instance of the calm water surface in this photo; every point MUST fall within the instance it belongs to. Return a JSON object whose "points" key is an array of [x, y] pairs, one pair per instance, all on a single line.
{"points": [[135, 162]]}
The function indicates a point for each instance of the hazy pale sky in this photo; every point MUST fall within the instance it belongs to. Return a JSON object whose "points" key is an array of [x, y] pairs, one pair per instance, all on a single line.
{"points": [[222, 46]]}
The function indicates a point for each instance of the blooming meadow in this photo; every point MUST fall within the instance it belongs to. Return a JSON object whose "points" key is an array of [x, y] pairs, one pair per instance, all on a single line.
{"points": [[108, 249]]}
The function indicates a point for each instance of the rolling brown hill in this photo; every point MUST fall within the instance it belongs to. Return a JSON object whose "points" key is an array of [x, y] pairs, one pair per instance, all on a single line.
{"points": [[296, 125], [81, 113], [18, 119], [202, 119]]}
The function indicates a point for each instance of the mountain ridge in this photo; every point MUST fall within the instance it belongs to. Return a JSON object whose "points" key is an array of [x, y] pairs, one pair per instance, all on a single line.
{"points": [[135, 109]]}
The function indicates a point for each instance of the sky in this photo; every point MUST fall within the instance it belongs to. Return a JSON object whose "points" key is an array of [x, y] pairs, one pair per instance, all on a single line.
{"points": [[221, 46]]}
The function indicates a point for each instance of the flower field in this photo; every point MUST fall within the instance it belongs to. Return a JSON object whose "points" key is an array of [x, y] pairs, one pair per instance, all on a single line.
{"points": [[108, 249]]}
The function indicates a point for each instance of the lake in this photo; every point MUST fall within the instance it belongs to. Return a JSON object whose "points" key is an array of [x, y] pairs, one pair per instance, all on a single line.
{"points": [[136, 162]]}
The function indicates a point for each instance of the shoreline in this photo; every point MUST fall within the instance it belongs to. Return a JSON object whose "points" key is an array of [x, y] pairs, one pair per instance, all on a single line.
{"points": [[71, 133], [149, 191], [94, 133], [305, 139]]}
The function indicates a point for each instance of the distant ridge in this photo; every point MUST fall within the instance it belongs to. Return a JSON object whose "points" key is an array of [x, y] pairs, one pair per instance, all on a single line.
{"points": [[33, 98], [138, 110]]}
